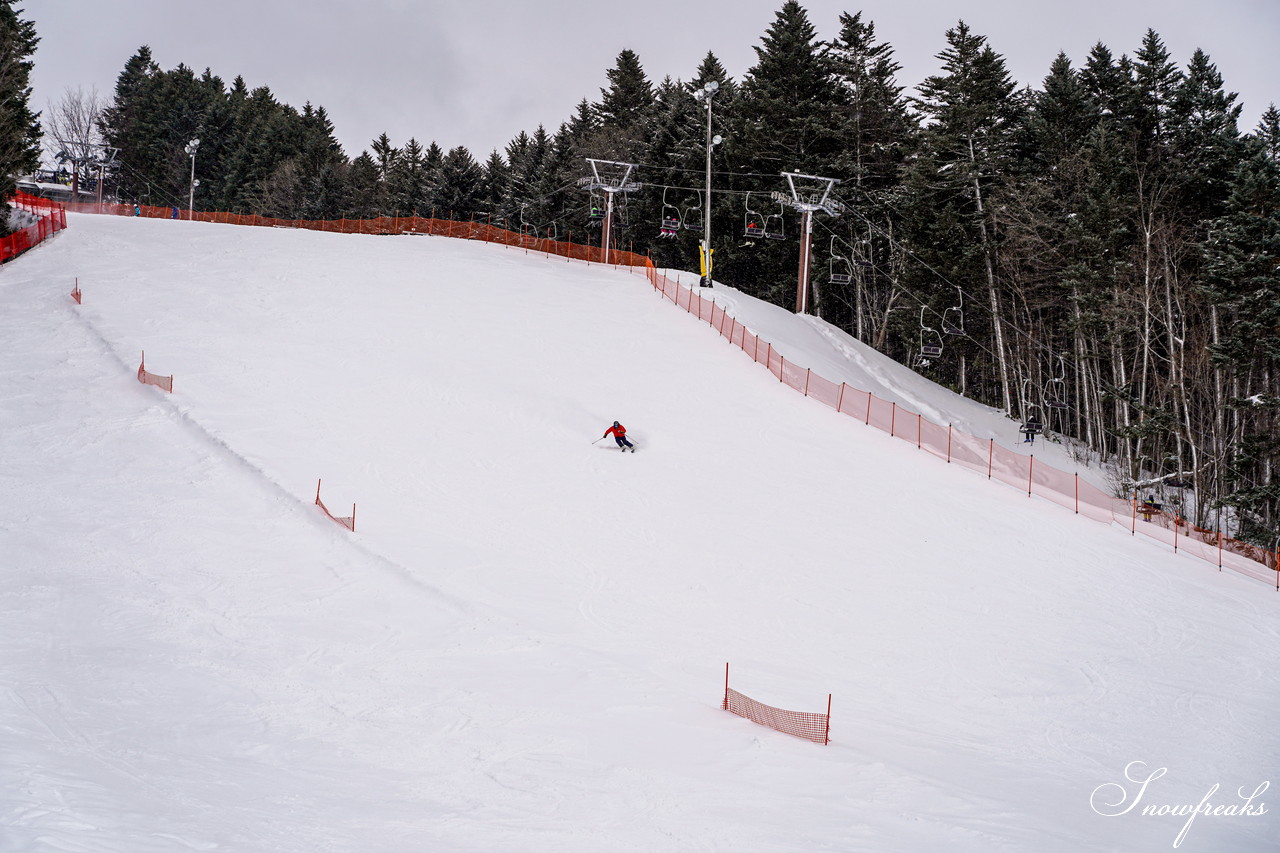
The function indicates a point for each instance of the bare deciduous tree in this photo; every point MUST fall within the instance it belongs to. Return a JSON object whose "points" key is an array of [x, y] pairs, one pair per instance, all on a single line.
{"points": [[73, 134]]}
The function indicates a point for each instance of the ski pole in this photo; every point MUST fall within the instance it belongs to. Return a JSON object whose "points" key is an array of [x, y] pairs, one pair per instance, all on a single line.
{"points": [[601, 438]]}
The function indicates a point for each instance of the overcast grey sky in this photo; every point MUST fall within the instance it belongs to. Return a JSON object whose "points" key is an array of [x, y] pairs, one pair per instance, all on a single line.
{"points": [[477, 72]]}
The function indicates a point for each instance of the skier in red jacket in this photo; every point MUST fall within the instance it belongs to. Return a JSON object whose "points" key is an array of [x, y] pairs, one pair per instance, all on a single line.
{"points": [[619, 433]]}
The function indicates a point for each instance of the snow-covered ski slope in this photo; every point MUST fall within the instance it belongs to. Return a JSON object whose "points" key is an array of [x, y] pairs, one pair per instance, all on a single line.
{"points": [[522, 647]]}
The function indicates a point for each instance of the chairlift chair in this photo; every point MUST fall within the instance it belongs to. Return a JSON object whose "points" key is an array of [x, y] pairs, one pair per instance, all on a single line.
{"points": [[753, 222], [930, 342], [774, 226], [1055, 394], [527, 230], [857, 255], [670, 217], [597, 207], [1032, 426], [693, 215], [840, 262], [953, 317], [1055, 390]]}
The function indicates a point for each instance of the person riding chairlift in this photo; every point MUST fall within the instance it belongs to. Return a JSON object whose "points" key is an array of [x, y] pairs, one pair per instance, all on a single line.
{"points": [[1031, 429]]}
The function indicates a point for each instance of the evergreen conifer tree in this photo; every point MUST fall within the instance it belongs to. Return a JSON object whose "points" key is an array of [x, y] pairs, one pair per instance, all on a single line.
{"points": [[19, 129], [877, 126], [879, 134], [1268, 131], [495, 188], [624, 112], [460, 190], [629, 98], [123, 121], [1242, 276], [409, 185], [367, 194], [785, 118], [972, 118], [1204, 138]]}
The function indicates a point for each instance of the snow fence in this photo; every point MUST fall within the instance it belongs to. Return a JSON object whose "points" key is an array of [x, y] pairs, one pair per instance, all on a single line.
{"points": [[50, 219]]}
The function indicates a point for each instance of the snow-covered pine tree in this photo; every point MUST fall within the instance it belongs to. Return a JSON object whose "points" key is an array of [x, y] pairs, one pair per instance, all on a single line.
{"points": [[19, 129], [786, 118], [879, 133], [971, 120]]}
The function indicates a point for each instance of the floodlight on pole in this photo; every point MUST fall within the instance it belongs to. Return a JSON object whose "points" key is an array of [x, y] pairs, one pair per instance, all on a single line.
{"points": [[192, 147], [705, 94]]}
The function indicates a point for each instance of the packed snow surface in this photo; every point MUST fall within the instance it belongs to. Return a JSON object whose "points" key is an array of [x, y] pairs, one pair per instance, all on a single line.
{"points": [[522, 647]]}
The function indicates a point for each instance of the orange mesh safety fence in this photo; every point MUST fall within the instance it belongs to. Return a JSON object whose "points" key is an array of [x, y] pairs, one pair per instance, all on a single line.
{"points": [[148, 378], [1022, 471], [810, 726], [984, 456], [52, 219], [347, 521]]}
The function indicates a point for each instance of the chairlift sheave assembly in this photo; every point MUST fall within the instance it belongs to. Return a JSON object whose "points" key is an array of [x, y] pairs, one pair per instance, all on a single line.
{"points": [[841, 267]]}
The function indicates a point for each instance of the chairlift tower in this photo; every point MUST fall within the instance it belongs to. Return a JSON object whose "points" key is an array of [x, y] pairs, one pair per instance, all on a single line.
{"points": [[96, 155], [808, 203], [609, 177]]}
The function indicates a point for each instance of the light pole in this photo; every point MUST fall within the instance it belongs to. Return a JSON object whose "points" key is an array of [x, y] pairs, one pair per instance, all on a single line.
{"points": [[704, 94], [192, 146]]}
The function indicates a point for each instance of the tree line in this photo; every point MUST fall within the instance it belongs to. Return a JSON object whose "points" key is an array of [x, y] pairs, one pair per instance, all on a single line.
{"points": [[1101, 250]]}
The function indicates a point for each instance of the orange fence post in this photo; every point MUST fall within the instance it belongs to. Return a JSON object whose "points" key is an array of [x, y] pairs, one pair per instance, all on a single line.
{"points": [[948, 444], [726, 686], [826, 736], [840, 399], [1177, 522], [919, 429], [893, 417], [1030, 468], [1133, 524], [991, 452]]}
